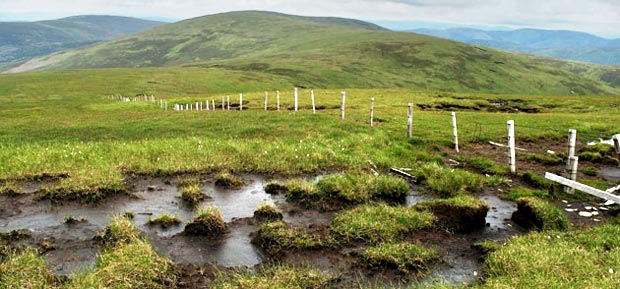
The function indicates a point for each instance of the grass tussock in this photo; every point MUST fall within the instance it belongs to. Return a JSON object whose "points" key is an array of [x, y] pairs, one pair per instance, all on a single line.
{"points": [[575, 259], [228, 180], [274, 187], [71, 220], [378, 223], [405, 257], [25, 269], [165, 220], [275, 277], [484, 165], [120, 230], [542, 215], [11, 189], [192, 195], [267, 212], [462, 214], [520, 192], [275, 237], [446, 182], [207, 222], [340, 190], [536, 180]]}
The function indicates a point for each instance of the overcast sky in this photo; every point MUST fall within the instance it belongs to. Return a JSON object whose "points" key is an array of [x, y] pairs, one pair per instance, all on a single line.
{"points": [[600, 17]]}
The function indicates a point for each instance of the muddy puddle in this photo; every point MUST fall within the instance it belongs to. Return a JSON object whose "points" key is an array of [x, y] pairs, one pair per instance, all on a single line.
{"points": [[611, 174], [74, 248]]}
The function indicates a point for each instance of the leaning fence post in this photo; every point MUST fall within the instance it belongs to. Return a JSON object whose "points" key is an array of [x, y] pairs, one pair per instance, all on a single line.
{"points": [[455, 132], [278, 99], [572, 139], [372, 110], [296, 98], [511, 146], [240, 101], [312, 96], [410, 120], [343, 96], [266, 97]]}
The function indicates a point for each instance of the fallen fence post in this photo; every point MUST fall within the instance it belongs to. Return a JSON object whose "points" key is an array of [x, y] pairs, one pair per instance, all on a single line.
{"points": [[583, 188], [372, 110], [572, 139], [511, 146], [410, 120], [455, 132]]}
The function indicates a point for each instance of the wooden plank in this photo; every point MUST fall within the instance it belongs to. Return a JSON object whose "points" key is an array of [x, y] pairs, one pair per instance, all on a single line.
{"points": [[583, 188]]}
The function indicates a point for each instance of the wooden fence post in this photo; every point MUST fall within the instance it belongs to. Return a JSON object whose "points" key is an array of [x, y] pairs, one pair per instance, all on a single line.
{"points": [[372, 110], [208, 106], [241, 101], [296, 98], [572, 139], [410, 120], [213, 104], [266, 98], [455, 132], [312, 96], [278, 99], [343, 96], [574, 164], [511, 146], [228, 102]]}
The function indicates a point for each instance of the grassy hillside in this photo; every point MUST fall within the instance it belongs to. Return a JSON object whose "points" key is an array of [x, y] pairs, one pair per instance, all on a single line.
{"points": [[23, 40], [328, 53]]}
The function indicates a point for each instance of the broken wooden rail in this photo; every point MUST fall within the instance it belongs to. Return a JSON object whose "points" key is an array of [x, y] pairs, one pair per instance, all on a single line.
{"points": [[584, 188]]}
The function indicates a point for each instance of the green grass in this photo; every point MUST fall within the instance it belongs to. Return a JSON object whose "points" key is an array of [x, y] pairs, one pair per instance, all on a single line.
{"points": [[191, 191], [580, 259], [462, 213], [165, 220], [536, 180], [545, 159], [25, 270], [485, 165], [208, 221], [267, 212], [544, 215], [276, 236], [520, 192], [405, 257], [368, 223], [226, 179], [447, 182], [9, 188], [274, 277]]}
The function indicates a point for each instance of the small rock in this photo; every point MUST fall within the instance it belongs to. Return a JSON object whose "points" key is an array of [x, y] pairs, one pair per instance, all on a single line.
{"points": [[550, 152], [594, 208], [595, 213], [588, 208], [475, 273], [603, 209], [585, 214], [565, 201], [571, 210], [151, 188], [609, 203], [569, 205], [596, 220]]}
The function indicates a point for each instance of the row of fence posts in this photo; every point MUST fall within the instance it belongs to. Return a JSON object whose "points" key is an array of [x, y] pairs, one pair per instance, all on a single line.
{"points": [[571, 163]]}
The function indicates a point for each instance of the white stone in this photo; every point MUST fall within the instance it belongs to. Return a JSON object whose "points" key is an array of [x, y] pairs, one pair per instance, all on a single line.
{"points": [[609, 203], [585, 214]]}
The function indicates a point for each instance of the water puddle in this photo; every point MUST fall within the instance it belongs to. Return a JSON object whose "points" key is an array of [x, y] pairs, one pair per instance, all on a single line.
{"points": [[611, 174]]}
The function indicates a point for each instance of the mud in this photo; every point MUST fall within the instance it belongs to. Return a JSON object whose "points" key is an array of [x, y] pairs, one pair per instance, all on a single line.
{"points": [[611, 174]]}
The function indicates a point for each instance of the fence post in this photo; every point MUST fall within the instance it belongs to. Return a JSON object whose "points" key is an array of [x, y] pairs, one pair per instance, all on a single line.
{"points": [[455, 132], [343, 96], [312, 96], [572, 139], [208, 106], [223, 103], [574, 164], [296, 98], [278, 99], [228, 102], [616, 141], [241, 101], [186, 106], [213, 102], [372, 110], [511, 146], [410, 120], [266, 98]]}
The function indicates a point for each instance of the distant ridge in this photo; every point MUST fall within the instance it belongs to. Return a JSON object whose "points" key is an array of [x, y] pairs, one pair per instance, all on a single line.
{"points": [[563, 44], [23, 40]]}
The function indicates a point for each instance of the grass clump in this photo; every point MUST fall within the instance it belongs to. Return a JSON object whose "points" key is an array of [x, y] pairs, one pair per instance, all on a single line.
{"points": [[277, 236], [463, 213], [275, 277], [590, 171], [71, 220], [10, 189], [536, 180], [207, 222], [120, 231], [536, 213], [274, 187], [521, 192], [165, 220], [576, 259], [378, 223], [267, 212], [192, 195], [447, 182], [227, 180], [545, 159], [405, 257], [484, 165], [25, 269]]}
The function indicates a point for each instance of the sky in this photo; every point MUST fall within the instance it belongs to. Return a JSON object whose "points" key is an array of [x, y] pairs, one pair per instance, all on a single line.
{"points": [[600, 17]]}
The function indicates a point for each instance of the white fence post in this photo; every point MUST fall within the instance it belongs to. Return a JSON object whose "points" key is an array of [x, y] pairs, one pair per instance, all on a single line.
{"points": [[266, 98], [372, 110], [455, 132], [343, 96], [312, 96], [278, 99], [511, 146], [228, 102], [574, 164], [410, 120], [296, 98], [213, 104], [241, 101], [223, 103], [572, 139]]}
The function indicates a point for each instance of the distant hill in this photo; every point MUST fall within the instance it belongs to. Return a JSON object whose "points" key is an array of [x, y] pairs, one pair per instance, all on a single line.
{"points": [[559, 44], [331, 53], [24, 40]]}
